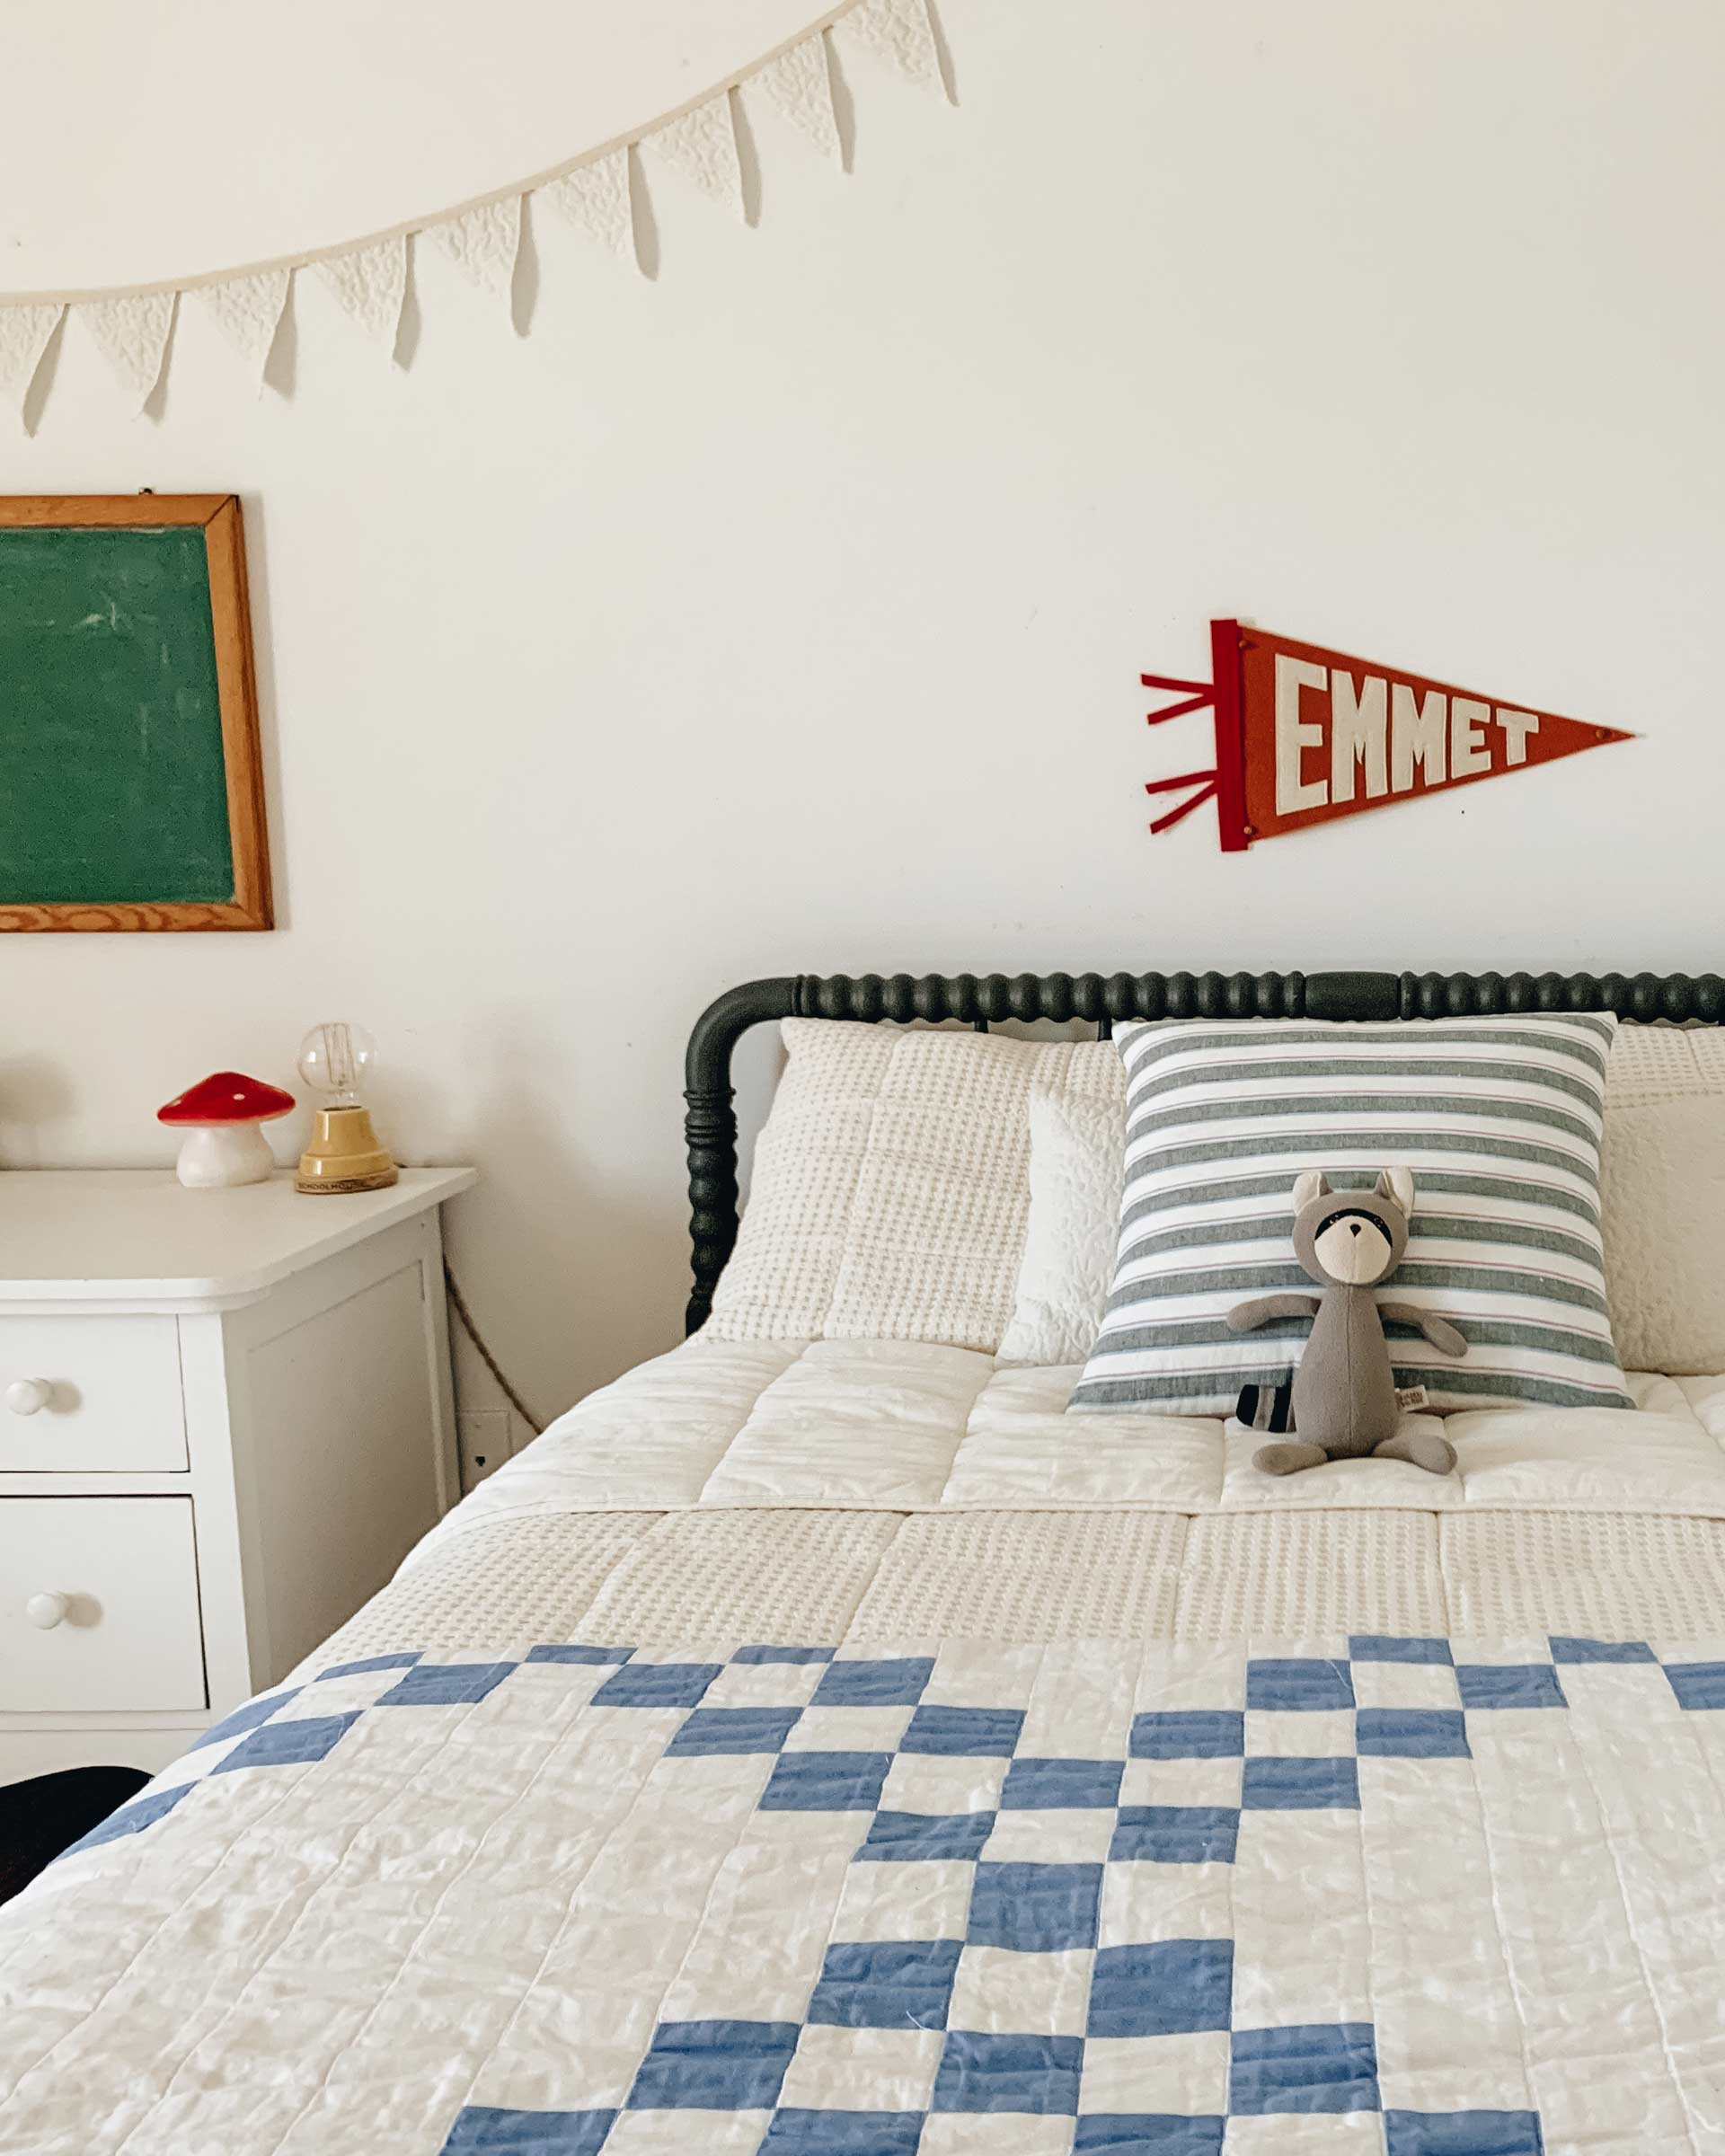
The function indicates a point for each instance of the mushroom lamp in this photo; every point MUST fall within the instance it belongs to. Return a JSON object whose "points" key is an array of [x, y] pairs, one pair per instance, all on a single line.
{"points": [[220, 1115]]}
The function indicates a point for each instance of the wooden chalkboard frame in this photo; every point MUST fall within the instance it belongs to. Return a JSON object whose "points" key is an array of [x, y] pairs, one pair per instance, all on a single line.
{"points": [[219, 515]]}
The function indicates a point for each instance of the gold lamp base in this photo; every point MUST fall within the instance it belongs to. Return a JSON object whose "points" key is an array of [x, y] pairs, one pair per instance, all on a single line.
{"points": [[344, 1155]]}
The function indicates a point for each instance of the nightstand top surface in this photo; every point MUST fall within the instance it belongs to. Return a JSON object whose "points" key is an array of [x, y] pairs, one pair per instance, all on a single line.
{"points": [[135, 1236]]}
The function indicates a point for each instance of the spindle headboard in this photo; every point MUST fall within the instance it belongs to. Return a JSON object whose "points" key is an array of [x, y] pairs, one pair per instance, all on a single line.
{"points": [[982, 999]]}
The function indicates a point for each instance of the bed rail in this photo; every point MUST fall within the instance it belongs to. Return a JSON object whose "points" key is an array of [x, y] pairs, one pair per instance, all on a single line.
{"points": [[982, 999]]}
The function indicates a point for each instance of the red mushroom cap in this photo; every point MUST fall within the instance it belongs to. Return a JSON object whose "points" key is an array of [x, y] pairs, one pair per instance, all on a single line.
{"points": [[226, 1096]]}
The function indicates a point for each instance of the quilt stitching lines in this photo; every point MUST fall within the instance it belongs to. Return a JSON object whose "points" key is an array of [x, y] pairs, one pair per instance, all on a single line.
{"points": [[229, 1854], [1512, 1979], [551, 1945], [380, 2003], [328, 1884], [1584, 1768]]}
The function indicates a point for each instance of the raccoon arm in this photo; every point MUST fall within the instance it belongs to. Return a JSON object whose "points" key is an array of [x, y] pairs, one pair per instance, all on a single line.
{"points": [[1446, 1338], [1246, 1317]]}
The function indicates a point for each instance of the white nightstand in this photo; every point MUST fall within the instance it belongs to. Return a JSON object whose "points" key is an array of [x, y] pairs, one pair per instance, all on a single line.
{"points": [[224, 1419]]}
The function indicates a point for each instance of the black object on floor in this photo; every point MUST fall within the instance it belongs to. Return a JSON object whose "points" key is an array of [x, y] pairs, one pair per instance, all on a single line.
{"points": [[40, 1818]]}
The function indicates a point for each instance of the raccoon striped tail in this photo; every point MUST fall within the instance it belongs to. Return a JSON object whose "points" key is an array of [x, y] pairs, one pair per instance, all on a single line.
{"points": [[1266, 1407]]}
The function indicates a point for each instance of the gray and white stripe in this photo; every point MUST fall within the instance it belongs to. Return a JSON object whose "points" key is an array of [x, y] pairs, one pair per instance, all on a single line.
{"points": [[1500, 1120]]}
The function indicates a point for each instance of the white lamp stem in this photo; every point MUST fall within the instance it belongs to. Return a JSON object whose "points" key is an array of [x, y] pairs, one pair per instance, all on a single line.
{"points": [[215, 1156]]}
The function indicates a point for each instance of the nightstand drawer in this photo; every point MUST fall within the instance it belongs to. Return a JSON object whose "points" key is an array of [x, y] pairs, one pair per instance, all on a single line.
{"points": [[98, 1606], [90, 1395]]}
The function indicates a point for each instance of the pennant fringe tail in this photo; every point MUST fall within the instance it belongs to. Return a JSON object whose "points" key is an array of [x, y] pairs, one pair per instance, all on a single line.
{"points": [[1206, 792], [1225, 782]]}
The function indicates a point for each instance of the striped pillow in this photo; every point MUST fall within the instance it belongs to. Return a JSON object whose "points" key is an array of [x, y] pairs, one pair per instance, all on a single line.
{"points": [[1500, 1120]]}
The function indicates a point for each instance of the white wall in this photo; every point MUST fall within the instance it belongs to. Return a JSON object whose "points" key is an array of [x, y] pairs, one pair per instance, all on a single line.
{"points": [[785, 611]]}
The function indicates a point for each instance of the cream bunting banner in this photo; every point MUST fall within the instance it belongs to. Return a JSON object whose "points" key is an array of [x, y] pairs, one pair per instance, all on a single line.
{"points": [[697, 141]]}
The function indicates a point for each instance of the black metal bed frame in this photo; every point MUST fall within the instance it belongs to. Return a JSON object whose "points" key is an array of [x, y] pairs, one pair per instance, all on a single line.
{"points": [[982, 999]]}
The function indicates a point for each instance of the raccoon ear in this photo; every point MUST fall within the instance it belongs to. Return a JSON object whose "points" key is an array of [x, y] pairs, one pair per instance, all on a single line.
{"points": [[1312, 1184], [1397, 1185]]}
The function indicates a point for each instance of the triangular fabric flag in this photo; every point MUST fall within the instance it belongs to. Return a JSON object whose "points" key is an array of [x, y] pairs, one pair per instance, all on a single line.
{"points": [[799, 84], [595, 198], [133, 337], [899, 31], [249, 309], [483, 241], [24, 332], [701, 144], [1304, 735], [371, 283]]}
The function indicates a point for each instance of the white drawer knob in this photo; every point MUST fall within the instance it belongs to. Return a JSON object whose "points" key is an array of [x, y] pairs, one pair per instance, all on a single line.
{"points": [[46, 1611], [29, 1395]]}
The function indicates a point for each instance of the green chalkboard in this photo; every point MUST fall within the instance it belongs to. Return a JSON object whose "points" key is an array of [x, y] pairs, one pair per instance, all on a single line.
{"points": [[115, 745]]}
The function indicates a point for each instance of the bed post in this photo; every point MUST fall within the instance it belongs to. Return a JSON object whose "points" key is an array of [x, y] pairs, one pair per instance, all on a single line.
{"points": [[710, 1128]]}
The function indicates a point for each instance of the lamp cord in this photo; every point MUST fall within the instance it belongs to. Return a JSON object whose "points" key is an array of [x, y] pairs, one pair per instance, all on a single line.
{"points": [[485, 1354]]}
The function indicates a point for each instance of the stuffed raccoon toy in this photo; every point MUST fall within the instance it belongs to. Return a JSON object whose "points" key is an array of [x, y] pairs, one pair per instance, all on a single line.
{"points": [[1343, 1397]]}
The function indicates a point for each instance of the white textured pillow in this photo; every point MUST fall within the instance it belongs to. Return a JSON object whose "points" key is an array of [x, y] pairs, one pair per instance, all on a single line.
{"points": [[1077, 1154], [891, 1187], [1662, 1191]]}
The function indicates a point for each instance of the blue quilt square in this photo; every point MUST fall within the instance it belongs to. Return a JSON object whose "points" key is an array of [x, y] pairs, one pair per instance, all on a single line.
{"points": [[968, 1732], [445, 1684], [658, 1684], [710, 1730], [481, 2130], [1565, 1648], [1035, 1908], [1147, 2134], [288, 1744], [1300, 1785], [1328, 2066], [1463, 2133], [368, 1662], [1411, 1732], [1697, 1683], [1174, 1834], [784, 1654], [1062, 1785], [843, 2134], [1169, 1988], [714, 2066], [1036, 2074], [592, 1657], [1511, 1684], [1189, 1733], [897, 1682], [825, 1781], [1397, 1646], [887, 1983], [248, 1716], [925, 1837], [1302, 1686], [131, 1818]]}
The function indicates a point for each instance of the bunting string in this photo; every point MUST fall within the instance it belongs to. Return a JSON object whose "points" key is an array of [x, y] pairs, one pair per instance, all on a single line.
{"points": [[132, 324]]}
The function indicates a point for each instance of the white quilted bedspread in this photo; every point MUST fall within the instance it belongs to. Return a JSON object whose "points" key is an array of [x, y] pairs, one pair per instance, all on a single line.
{"points": [[833, 1752], [898, 1426]]}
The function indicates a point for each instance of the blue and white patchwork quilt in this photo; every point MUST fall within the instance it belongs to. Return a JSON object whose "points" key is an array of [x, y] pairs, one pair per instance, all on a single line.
{"points": [[827, 1752], [1413, 1895]]}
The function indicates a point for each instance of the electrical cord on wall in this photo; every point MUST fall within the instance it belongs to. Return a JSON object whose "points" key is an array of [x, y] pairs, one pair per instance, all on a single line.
{"points": [[485, 1354]]}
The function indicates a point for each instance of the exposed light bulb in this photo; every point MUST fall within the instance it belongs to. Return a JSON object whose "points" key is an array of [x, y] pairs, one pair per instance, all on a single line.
{"points": [[335, 1059]]}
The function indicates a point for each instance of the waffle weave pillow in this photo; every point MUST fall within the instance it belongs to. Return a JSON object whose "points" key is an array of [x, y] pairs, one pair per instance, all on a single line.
{"points": [[891, 1191], [1500, 1120]]}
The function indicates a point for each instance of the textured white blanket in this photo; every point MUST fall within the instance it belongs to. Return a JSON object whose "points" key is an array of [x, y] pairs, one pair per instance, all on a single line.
{"points": [[835, 1752], [899, 1426]]}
